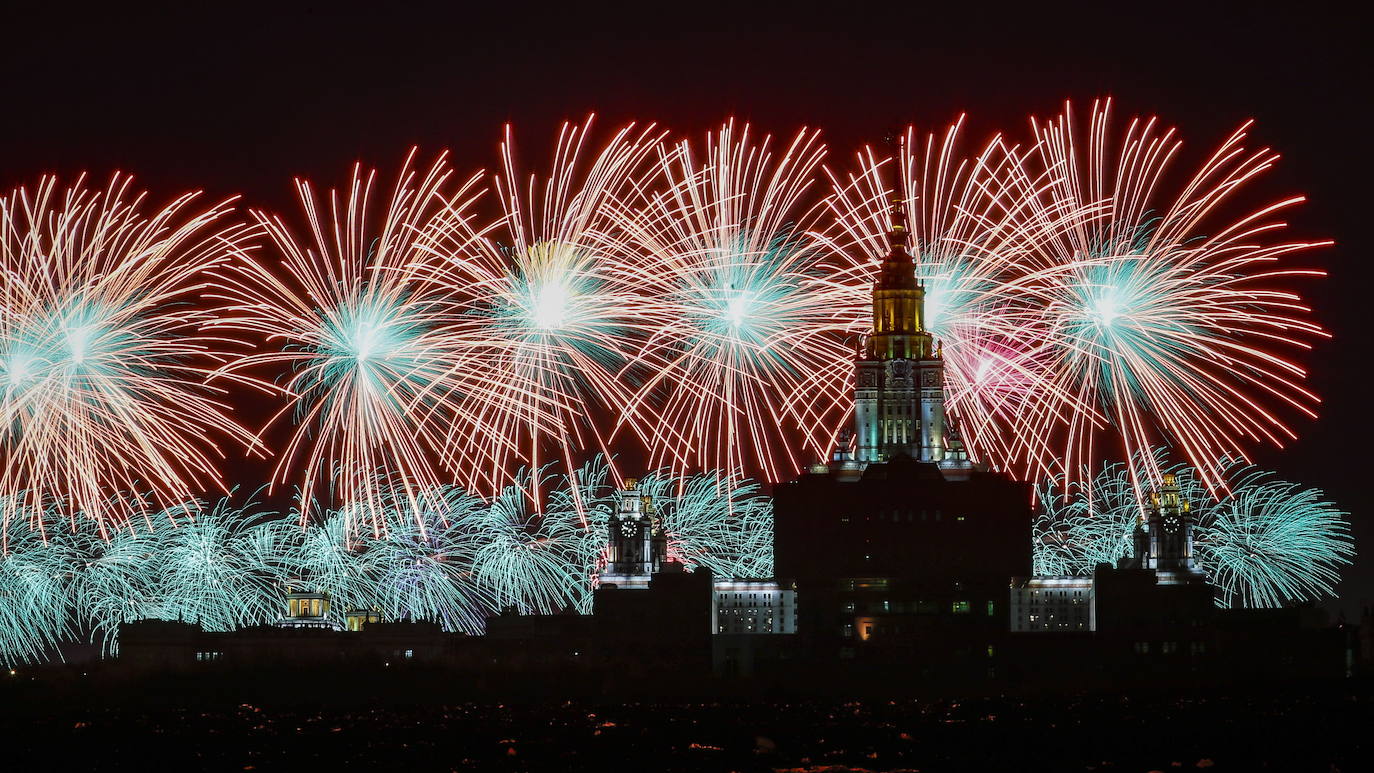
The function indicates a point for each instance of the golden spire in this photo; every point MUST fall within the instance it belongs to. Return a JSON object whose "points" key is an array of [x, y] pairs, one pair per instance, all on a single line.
{"points": [[898, 299]]}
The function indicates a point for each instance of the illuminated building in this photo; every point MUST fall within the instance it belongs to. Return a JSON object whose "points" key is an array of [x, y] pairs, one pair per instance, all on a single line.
{"points": [[1053, 604], [306, 609], [1163, 538], [636, 556], [355, 619]]}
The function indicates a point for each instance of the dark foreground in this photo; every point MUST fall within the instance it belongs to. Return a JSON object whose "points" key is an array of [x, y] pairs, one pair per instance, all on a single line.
{"points": [[1310, 728]]}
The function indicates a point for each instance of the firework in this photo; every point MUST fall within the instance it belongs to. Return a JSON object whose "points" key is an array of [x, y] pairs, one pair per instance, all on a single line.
{"points": [[540, 310], [103, 362], [717, 521], [328, 558], [110, 580], [748, 318], [220, 569], [1081, 524], [35, 614], [374, 391], [540, 563], [216, 565], [1170, 324], [422, 564], [1270, 543], [1265, 543]]}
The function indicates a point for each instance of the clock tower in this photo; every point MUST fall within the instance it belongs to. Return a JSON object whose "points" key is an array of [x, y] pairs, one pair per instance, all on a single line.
{"points": [[1170, 529], [637, 545]]}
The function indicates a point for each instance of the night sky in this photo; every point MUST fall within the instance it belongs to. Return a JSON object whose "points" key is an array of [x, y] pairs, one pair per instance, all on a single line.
{"points": [[237, 101]]}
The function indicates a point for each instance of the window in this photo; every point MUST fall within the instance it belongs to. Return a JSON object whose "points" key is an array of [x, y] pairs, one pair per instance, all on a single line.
{"points": [[960, 607], [409, 654], [992, 608]]}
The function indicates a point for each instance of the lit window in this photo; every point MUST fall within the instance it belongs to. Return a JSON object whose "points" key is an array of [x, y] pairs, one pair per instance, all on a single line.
{"points": [[960, 607], [992, 609]]}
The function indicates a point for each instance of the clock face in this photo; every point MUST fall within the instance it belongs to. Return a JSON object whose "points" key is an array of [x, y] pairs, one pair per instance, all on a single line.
{"points": [[628, 527], [1171, 524]]}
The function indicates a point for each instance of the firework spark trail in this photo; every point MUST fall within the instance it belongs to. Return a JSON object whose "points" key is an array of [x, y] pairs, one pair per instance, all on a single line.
{"points": [[422, 563], [223, 568], [1086, 520], [1171, 315], [110, 580], [744, 308], [373, 384], [213, 564], [541, 563], [538, 306], [103, 358], [35, 612]]}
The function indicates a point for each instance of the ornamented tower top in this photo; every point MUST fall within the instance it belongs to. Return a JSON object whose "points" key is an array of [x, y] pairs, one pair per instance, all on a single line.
{"points": [[1163, 536], [637, 546], [898, 299], [1171, 528]]}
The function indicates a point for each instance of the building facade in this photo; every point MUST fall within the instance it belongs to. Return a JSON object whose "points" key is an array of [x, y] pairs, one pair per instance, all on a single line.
{"points": [[1060, 604], [745, 607]]}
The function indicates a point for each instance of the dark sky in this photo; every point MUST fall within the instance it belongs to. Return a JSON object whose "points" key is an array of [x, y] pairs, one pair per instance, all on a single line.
{"points": [[238, 100]]}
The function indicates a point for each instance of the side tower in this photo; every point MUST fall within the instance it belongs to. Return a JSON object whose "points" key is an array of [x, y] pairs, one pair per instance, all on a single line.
{"points": [[899, 376], [637, 544], [1170, 529]]}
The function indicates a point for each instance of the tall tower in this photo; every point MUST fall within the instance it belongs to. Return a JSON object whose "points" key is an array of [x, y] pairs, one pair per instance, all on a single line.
{"points": [[899, 378]]}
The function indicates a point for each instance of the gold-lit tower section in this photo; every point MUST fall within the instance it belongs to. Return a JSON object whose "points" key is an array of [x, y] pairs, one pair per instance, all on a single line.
{"points": [[898, 301]]}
